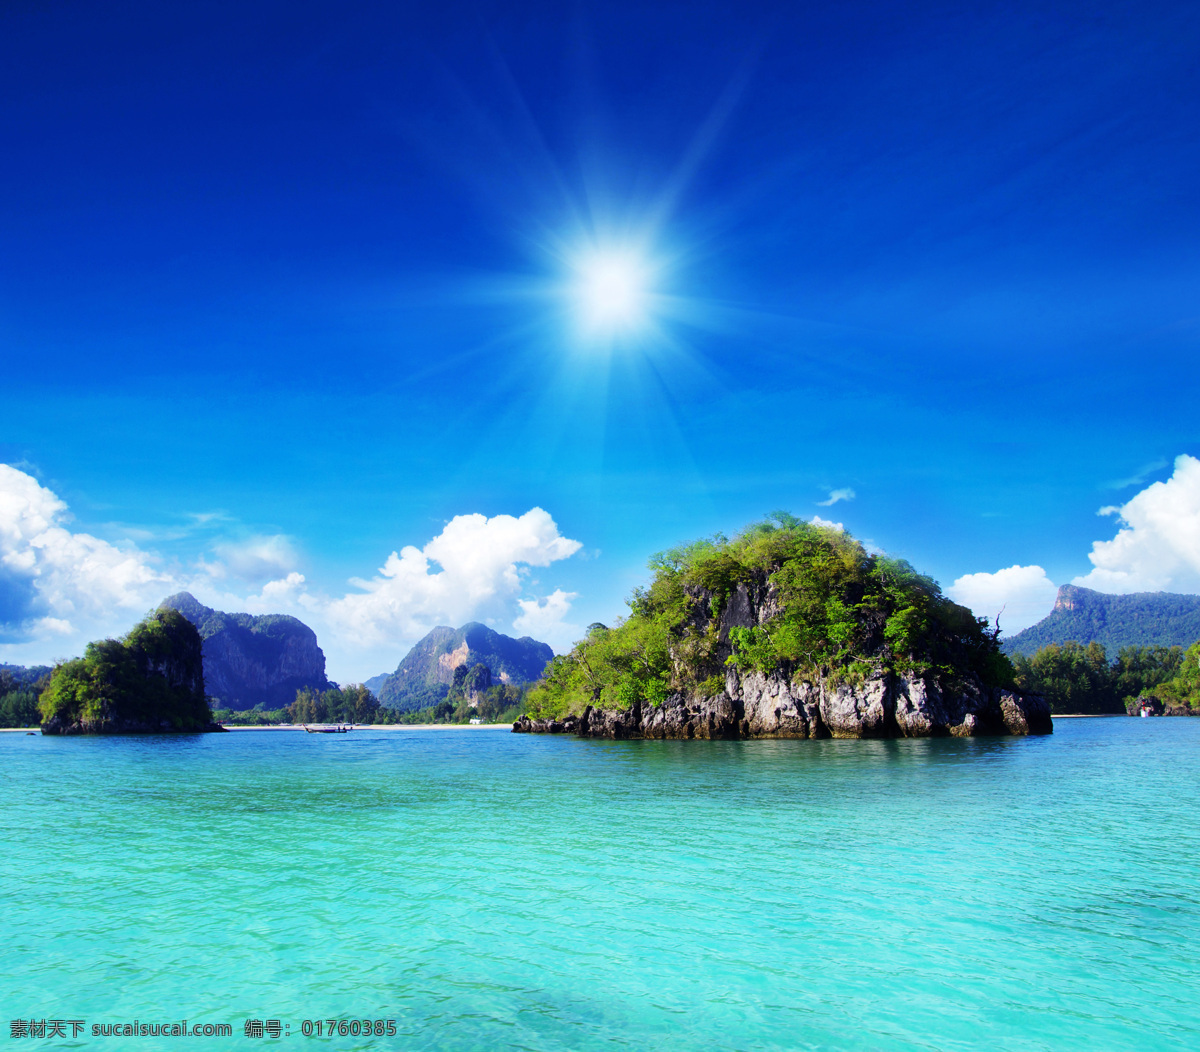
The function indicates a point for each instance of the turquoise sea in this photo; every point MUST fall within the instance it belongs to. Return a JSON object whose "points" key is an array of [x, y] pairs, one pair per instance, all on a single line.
{"points": [[487, 890]]}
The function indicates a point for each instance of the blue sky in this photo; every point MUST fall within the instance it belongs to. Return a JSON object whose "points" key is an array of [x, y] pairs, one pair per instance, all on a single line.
{"points": [[286, 288]]}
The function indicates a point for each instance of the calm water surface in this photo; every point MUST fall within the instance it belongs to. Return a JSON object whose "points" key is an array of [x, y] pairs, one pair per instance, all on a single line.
{"points": [[489, 890]]}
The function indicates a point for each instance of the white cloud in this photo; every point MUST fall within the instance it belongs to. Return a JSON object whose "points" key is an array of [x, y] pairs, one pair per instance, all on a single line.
{"points": [[1157, 547], [818, 521], [255, 558], [56, 583], [835, 495], [60, 589], [467, 571], [1024, 593], [544, 619], [286, 587]]}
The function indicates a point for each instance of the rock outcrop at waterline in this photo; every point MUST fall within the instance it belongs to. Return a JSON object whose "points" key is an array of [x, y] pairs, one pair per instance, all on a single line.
{"points": [[1155, 706], [759, 706]]}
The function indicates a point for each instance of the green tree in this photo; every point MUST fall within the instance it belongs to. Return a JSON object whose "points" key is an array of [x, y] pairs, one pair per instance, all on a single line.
{"points": [[153, 678], [839, 611]]}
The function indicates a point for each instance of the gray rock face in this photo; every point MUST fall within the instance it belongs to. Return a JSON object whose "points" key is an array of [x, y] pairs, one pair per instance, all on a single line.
{"points": [[760, 706], [437, 663], [251, 660]]}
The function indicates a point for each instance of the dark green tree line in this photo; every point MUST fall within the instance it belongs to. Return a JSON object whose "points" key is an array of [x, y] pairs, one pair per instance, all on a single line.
{"points": [[1077, 678]]}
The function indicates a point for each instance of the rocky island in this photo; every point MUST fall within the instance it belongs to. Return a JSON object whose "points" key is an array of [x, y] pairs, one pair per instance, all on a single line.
{"points": [[150, 682], [789, 630]]}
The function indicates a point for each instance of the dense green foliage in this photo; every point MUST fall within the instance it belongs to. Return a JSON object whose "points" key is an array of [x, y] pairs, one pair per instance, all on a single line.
{"points": [[352, 704], [1184, 687], [152, 677], [255, 717], [1141, 619], [19, 695], [1080, 679], [843, 612]]}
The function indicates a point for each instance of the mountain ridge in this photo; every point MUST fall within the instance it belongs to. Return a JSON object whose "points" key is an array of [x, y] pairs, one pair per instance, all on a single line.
{"points": [[1114, 621], [253, 659], [427, 671]]}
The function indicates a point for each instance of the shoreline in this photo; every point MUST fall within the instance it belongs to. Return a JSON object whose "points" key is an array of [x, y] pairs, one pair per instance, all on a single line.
{"points": [[356, 726], [385, 727], [1087, 715]]}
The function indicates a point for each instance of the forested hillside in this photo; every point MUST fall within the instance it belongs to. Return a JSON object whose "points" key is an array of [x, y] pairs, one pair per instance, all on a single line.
{"points": [[1140, 619]]}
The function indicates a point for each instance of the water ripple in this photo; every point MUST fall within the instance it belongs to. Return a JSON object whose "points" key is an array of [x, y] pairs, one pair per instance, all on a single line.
{"points": [[490, 891]]}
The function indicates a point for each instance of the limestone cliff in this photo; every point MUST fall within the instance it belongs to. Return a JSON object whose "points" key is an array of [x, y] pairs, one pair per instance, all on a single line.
{"points": [[251, 660], [758, 706], [445, 656]]}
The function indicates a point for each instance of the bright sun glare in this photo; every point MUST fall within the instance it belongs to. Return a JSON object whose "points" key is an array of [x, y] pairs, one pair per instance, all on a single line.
{"points": [[611, 289]]}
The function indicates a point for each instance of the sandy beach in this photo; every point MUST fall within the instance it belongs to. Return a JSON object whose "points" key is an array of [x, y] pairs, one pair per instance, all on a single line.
{"points": [[1087, 715]]}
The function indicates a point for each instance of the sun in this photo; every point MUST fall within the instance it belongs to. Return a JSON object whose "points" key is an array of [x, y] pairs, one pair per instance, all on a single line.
{"points": [[612, 291]]}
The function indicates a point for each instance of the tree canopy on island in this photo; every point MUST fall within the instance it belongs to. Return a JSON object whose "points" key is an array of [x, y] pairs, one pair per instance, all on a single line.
{"points": [[19, 690], [840, 612], [151, 678], [1184, 687]]}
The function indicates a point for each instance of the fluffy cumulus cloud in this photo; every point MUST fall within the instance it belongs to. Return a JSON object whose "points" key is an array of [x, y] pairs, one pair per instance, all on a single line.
{"points": [[818, 521], [545, 619], [1157, 546], [60, 588], [474, 568], [1024, 593], [56, 583]]}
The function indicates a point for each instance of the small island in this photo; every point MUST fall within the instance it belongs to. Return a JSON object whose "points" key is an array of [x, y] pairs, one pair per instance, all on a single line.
{"points": [[788, 630], [150, 682]]}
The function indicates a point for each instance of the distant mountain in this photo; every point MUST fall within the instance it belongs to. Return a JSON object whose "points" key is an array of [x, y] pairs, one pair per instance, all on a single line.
{"points": [[1138, 619], [24, 675], [376, 682], [251, 660], [427, 671]]}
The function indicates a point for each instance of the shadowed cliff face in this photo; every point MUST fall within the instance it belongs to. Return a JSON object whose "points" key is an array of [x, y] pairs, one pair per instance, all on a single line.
{"points": [[252, 660]]}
